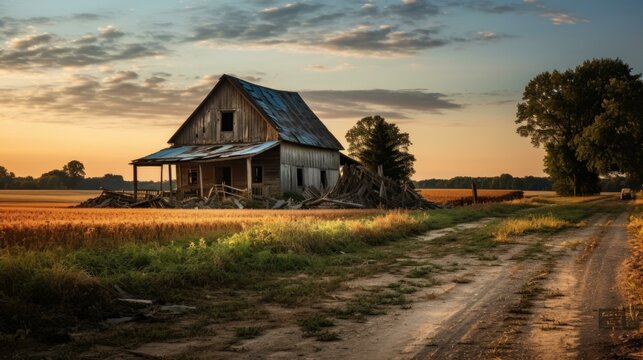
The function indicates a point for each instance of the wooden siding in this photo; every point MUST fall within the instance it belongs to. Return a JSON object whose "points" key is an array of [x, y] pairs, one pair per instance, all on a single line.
{"points": [[204, 127], [307, 156], [269, 162], [312, 160]]}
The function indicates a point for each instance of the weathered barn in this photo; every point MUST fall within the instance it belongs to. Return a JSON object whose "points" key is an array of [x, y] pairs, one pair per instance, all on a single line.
{"points": [[249, 137]]}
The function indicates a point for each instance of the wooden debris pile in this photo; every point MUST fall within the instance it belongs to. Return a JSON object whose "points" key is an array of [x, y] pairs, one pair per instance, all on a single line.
{"points": [[113, 199], [109, 199], [359, 187]]}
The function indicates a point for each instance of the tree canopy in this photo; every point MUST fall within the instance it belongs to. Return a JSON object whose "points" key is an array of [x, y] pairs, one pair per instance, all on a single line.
{"points": [[590, 122], [374, 141], [74, 169]]}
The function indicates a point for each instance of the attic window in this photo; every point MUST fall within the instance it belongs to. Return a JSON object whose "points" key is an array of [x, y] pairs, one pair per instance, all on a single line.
{"points": [[227, 121]]}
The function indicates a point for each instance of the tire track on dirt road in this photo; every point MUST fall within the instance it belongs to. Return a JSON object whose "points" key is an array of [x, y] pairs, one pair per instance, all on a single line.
{"points": [[494, 323]]}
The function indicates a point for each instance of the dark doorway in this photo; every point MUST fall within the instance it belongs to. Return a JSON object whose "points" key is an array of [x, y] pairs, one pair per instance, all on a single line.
{"points": [[257, 174], [224, 175], [323, 178], [300, 177]]}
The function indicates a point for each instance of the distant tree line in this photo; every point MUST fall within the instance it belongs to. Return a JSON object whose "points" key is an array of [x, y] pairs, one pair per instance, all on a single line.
{"points": [[506, 181], [71, 176]]}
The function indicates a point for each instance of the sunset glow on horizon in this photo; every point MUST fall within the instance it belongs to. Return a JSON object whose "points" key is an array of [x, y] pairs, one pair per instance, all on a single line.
{"points": [[108, 82]]}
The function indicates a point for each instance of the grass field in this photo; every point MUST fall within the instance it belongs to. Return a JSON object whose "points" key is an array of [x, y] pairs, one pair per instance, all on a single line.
{"points": [[59, 267], [464, 197]]}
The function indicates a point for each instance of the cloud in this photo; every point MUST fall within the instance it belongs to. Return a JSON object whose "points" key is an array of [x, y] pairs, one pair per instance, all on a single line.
{"points": [[325, 68], [414, 9], [127, 97], [562, 18], [29, 41], [114, 99], [398, 104], [555, 16], [369, 9], [491, 7], [87, 17], [111, 100], [11, 26], [122, 76], [288, 12], [384, 39], [348, 29], [109, 32], [36, 51]]}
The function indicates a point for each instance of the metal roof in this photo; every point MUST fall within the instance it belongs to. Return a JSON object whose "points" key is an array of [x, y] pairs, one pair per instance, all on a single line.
{"points": [[205, 153], [289, 114]]}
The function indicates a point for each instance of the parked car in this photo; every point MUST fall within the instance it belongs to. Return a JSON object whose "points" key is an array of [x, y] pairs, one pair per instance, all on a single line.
{"points": [[627, 193]]}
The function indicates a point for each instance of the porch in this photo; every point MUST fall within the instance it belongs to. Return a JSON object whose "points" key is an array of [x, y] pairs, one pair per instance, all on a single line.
{"points": [[241, 169]]}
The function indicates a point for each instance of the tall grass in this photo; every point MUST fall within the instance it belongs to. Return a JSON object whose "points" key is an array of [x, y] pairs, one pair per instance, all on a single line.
{"points": [[520, 226], [633, 274], [37, 229], [548, 219]]}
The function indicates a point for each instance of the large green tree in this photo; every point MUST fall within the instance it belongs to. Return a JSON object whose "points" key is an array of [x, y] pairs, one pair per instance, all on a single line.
{"points": [[374, 141], [589, 120]]}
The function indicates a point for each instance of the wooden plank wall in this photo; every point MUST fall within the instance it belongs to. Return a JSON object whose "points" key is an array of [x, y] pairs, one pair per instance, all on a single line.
{"points": [[312, 160], [204, 127], [237, 168], [269, 161]]}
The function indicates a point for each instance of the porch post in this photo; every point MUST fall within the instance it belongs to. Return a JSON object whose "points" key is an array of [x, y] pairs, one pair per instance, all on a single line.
{"points": [[135, 183], [201, 179], [249, 176], [161, 186], [169, 170]]}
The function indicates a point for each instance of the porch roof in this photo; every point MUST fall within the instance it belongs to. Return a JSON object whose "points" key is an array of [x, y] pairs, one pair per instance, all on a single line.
{"points": [[205, 153]]}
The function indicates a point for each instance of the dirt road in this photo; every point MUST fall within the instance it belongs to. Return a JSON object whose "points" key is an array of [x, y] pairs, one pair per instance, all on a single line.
{"points": [[536, 297], [544, 306]]}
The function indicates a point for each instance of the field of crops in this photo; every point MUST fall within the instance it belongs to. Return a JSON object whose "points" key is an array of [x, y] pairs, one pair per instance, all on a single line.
{"points": [[39, 228], [464, 197], [45, 198]]}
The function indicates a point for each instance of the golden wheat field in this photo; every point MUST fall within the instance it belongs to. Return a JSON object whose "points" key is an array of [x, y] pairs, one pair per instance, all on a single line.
{"points": [[463, 196], [40, 228]]}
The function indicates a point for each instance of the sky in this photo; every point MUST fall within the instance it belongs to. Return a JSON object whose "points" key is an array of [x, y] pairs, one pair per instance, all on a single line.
{"points": [[105, 82]]}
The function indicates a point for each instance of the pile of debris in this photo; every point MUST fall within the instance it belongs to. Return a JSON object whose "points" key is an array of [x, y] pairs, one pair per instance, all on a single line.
{"points": [[113, 199], [357, 187]]}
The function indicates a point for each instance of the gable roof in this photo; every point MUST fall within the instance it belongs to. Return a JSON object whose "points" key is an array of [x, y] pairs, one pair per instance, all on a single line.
{"points": [[286, 111]]}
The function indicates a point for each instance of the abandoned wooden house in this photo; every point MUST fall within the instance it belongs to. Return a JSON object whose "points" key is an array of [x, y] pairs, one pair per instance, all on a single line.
{"points": [[245, 136]]}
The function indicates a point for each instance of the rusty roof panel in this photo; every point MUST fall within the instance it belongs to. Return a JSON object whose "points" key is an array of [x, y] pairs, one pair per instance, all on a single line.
{"points": [[205, 153]]}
